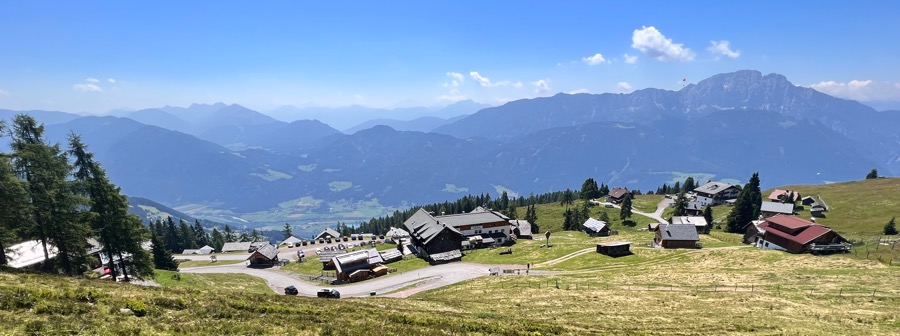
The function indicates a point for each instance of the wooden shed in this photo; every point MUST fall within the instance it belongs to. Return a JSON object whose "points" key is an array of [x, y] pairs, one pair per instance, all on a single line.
{"points": [[614, 249]]}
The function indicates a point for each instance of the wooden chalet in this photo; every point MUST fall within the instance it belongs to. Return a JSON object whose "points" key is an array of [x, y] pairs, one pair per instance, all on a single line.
{"points": [[595, 228], [434, 241], [614, 249], [236, 247], [795, 235], [715, 193], [483, 227], [266, 255], [676, 236], [617, 195]]}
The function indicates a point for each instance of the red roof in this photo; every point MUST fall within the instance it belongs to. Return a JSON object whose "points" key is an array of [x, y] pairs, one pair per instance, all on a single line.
{"points": [[789, 222], [805, 236], [777, 193]]}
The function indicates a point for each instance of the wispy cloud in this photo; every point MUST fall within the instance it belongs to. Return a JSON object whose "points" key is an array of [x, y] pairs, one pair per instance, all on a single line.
{"points": [[92, 80], [483, 81], [623, 87], [541, 86], [578, 91], [111, 80], [594, 60], [862, 90], [630, 59], [87, 87], [517, 85], [721, 48], [654, 44]]}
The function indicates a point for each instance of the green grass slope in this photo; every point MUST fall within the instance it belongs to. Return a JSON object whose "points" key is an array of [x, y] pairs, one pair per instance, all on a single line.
{"points": [[857, 208]]}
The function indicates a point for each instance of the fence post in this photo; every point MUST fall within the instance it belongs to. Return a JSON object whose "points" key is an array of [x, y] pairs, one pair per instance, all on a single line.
{"points": [[873, 293], [841, 292]]}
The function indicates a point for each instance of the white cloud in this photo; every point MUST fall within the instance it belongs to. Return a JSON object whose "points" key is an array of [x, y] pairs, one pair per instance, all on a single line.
{"points": [[721, 48], [484, 81], [594, 60], [578, 91], [623, 87], [862, 90], [456, 79], [541, 86], [655, 45], [452, 98], [518, 85], [3, 93], [87, 87], [630, 59], [92, 80], [111, 80]]}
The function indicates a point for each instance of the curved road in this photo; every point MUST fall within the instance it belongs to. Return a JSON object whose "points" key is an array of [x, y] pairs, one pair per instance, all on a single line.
{"points": [[411, 282]]}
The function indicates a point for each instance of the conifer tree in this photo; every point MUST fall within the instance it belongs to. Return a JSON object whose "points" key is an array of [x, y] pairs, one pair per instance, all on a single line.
{"points": [[55, 205], [689, 184], [708, 216], [13, 207], [162, 257], [120, 234], [625, 212], [286, 232], [217, 239], [746, 207], [873, 174], [229, 234], [512, 212], [504, 200], [200, 234], [186, 238], [173, 243], [891, 227]]}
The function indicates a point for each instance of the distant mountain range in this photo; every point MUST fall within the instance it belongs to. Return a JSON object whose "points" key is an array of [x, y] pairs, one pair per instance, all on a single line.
{"points": [[233, 165]]}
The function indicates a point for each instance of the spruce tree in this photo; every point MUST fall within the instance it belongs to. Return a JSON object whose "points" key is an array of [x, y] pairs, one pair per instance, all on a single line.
{"points": [[891, 227], [504, 200], [689, 184], [200, 234], [286, 232], [186, 238], [681, 205], [512, 212], [172, 241], [746, 207], [708, 216], [585, 212], [589, 189], [162, 257], [229, 234], [625, 212], [217, 239]]}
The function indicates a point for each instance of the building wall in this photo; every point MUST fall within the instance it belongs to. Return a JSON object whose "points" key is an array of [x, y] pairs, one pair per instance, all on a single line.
{"points": [[445, 241], [678, 244]]}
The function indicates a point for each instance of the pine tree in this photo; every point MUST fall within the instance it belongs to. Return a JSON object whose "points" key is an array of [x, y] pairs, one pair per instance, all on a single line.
{"points": [[512, 212], [584, 213], [625, 212], [708, 216], [891, 227], [873, 174], [589, 190], [689, 184], [604, 190], [504, 200], [14, 207], [603, 216], [200, 233], [681, 205], [54, 200], [217, 239], [286, 232], [162, 257], [567, 198], [746, 207], [120, 234], [677, 188], [229, 234], [186, 238], [172, 242]]}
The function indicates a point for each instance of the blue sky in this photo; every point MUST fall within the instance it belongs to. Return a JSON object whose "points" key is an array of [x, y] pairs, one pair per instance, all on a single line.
{"points": [[99, 56]]}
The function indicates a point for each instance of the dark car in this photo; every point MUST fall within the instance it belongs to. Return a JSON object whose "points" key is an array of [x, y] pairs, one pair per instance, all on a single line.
{"points": [[329, 293], [290, 290]]}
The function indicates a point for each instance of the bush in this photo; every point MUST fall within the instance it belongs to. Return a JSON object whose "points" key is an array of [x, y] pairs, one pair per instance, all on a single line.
{"points": [[137, 307]]}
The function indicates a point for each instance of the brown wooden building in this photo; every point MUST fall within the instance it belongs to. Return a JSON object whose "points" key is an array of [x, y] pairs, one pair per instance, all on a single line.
{"points": [[265, 255], [614, 249], [795, 235], [434, 241], [676, 236]]}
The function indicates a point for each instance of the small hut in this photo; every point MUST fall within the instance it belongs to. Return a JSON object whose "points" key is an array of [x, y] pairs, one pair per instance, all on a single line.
{"points": [[614, 249]]}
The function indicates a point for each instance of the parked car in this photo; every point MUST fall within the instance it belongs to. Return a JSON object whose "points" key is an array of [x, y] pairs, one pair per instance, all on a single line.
{"points": [[329, 293], [291, 290]]}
